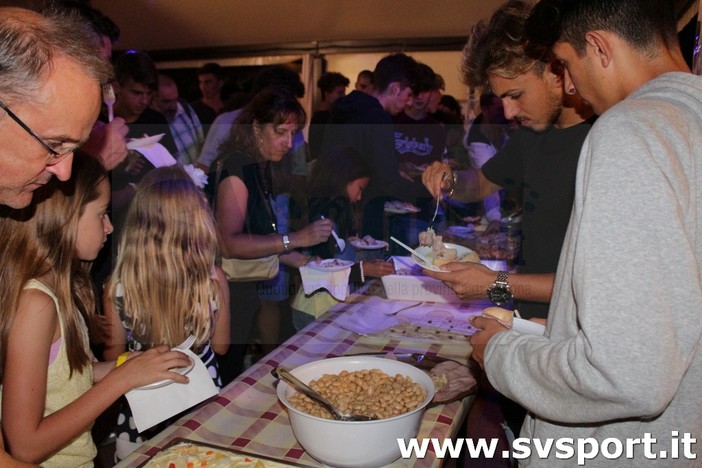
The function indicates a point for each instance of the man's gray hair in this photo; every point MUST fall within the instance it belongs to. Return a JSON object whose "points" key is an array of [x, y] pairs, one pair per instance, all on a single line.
{"points": [[29, 43]]}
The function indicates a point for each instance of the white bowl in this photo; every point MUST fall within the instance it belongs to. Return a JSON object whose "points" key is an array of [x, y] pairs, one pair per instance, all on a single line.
{"points": [[354, 443]]}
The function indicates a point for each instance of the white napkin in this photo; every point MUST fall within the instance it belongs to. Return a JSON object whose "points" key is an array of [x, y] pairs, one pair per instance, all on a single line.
{"points": [[370, 316], [157, 155], [151, 406], [336, 282]]}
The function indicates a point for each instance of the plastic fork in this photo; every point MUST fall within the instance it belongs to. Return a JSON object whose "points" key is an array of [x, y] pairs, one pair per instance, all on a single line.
{"points": [[436, 211], [438, 200], [340, 243], [412, 251], [108, 97], [401, 309]]}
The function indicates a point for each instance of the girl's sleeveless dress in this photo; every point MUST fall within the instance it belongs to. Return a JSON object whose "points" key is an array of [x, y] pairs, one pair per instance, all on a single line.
{"points": [[126, 429]]}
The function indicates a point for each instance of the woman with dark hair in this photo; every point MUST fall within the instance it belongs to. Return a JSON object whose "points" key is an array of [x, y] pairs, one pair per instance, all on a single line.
{"points": [[336, 185], [245, 210]]}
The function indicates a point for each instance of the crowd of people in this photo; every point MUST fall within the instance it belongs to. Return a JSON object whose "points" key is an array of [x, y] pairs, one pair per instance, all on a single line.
{"points": [[113, 256]]}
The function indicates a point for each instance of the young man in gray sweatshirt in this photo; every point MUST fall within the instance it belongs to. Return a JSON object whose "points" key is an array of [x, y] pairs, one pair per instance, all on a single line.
{"points": [[618, 374]]}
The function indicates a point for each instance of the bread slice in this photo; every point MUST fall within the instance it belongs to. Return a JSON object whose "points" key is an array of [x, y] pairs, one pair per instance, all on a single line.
{"points": [[503, 316], [445, 256], [470, 257]]}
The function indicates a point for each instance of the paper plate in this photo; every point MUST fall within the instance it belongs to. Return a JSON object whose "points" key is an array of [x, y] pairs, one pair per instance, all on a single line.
{"points": [[163, 383], [427, 252], [527, 327], [330, 264], [146, 141], [401, 208], [362, 245]]}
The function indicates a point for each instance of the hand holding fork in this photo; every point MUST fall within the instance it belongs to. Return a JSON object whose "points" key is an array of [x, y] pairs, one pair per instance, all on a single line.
{"points": [[109, 98]]}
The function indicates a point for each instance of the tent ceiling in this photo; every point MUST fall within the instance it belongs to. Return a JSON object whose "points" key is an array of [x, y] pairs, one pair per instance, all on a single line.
{"points": [[221, 28], [168, 25]]}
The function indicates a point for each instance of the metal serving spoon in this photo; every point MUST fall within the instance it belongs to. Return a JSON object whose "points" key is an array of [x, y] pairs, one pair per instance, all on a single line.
{"points": [[329, 406]]}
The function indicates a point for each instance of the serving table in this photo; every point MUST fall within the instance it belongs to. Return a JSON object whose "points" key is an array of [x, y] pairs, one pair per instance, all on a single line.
{"points": [[247, 416]]}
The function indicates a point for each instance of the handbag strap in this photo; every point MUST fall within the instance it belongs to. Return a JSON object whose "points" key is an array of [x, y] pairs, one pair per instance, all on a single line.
{"points": [[267, 200]]}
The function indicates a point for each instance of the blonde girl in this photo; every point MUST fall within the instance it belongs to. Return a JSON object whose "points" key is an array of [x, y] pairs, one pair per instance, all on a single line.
{"points": [[165, 286], [52, 387]]}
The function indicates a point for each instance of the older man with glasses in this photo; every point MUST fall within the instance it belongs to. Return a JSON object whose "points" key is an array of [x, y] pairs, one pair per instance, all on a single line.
{"points": [[57, 151], [50, 93], [50, 76]]}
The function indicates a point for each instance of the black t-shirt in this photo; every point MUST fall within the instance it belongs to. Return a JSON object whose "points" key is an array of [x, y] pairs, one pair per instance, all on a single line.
{"points": [[475, 134], [543, 166], [359, 120], [150, 123], [205, 113], [418, 141], [260, 218]]}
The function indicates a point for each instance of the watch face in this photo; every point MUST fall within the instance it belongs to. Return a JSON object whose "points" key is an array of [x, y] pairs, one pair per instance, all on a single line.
{"points": [[499, 295]]}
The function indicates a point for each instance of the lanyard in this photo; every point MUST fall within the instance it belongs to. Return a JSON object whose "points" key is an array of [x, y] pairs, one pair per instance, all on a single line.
{"points": [[267, 197]]}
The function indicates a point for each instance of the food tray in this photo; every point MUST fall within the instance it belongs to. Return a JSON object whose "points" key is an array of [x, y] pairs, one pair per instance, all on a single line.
{"points": [[267, 461]]}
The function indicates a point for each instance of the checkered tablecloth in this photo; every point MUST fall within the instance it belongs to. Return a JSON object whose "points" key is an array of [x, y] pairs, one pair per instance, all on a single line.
{"points": [[247, 416]]}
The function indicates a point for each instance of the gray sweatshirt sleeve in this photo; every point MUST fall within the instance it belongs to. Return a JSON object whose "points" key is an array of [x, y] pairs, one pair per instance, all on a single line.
{"points": [[625, 321]]}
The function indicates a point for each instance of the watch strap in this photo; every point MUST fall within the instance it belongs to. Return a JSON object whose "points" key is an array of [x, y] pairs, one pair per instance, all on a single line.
{"points": [[499, 292], [501, 280]]}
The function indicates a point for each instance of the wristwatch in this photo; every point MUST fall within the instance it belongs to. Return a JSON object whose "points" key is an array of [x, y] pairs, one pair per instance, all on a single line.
{"points": [[286, 242], [499, 292]]}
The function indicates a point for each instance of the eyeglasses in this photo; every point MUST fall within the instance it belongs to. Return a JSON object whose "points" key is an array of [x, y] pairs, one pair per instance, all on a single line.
{"points": [[55, 155]]}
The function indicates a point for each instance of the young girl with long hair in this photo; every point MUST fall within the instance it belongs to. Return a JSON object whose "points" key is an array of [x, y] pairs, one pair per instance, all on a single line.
{"points": [[52, 387], [336, 185], [165, 285]]}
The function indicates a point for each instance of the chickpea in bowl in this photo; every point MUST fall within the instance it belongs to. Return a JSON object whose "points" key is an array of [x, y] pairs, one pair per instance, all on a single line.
{"points": [[367, 392]]}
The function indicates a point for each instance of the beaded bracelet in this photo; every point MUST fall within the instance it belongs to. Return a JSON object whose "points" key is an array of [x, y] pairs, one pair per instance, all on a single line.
{"points": [[363, 276]]}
